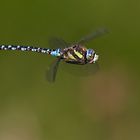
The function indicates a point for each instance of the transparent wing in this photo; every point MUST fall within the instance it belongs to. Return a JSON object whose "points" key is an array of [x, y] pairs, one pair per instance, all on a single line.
{"points": [[57, 43], [52, 70], [81, 70], [93, 35]]}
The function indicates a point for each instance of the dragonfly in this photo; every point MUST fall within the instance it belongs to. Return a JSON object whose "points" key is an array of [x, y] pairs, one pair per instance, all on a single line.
{"points": [[71, 53]]}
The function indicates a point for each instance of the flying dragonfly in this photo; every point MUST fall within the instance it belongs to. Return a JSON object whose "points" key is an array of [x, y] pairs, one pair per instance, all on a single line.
{"points": [[72, 53]]}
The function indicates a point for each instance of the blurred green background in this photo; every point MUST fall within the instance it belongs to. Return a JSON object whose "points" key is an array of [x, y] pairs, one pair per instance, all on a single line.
{"points": [[104, 106]]}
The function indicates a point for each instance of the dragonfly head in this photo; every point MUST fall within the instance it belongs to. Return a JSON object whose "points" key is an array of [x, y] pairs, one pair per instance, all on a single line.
{"points": [[91, 56]]}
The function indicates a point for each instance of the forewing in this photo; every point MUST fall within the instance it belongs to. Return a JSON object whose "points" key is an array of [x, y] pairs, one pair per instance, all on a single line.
{"points": [[57, 43], [52, 70], [93, 35]]}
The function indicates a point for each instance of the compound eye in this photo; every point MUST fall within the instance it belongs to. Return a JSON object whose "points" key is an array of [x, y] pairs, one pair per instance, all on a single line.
{"points": [[90, 54]]}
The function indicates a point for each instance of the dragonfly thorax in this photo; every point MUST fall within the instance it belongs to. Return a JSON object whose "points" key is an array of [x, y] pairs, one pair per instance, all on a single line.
{"points": [[76, 54]]}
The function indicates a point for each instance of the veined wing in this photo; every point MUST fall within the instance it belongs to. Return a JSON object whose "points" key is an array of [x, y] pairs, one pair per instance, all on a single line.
{"points": [[57, 43], [52, 70], [93, 35]]}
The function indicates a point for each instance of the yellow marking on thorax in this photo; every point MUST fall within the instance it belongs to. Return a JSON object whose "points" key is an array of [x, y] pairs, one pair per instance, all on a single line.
{"points": [[71, 56], [78, 54]]}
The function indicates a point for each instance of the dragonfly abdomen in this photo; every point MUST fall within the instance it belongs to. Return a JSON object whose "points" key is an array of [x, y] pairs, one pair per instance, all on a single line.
{"points": [[52, 52], [25, 48]]}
